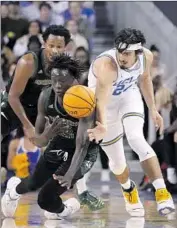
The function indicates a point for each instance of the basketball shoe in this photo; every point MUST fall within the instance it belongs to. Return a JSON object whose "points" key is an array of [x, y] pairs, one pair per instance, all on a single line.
{"points": [[133, 204], [71, 206], [164, 202], [93, 202], [9, 204]]}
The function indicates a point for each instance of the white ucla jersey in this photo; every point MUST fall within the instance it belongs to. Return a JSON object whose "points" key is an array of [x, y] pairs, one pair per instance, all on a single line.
{"points": [[125, 91], [126, 79]]}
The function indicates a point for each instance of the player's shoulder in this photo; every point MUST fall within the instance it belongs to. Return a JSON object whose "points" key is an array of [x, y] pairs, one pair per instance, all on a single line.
{"points": [[27, 60], [105, 61], [45, 93], [148, 54]]}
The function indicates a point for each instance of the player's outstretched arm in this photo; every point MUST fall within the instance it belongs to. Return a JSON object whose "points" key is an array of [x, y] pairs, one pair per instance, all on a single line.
{"points": [[146, 87], [24, 70], [105, 70], [82, 144]]}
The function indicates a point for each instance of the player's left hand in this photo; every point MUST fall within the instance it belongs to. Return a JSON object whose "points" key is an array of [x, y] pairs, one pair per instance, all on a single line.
{"points": [[64, 181], [158, 121], [97, 133]]}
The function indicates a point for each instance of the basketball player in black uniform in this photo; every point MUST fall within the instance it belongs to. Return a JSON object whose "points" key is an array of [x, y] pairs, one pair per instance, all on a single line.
{"points": [[19, 101], [62, 139]]}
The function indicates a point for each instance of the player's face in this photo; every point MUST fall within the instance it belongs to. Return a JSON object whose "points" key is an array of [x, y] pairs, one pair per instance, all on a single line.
{"points": [[126, 59], [54, 45], [61, 81]]}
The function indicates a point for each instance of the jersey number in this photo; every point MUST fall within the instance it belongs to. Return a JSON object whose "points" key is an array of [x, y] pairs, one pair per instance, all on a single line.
{"points": [[122, 86]]}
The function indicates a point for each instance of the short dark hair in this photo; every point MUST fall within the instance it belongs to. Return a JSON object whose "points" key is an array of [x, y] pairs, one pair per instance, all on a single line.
{"points": [[65, 62], [45, 4], [153, 47], [129, 36], [57, 30]]}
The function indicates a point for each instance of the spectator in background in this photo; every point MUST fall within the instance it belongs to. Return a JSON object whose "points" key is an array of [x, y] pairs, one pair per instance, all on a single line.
{"points": [[75, 13], [58, 7], [46, 17], [79, 40], [82, 55], [12, 25], [165, 147], [29, 10], [34, 29], [4, 11], [7, 52], [34, 44], [162, 94], [23, 155], [78, 8], [157, 67]]}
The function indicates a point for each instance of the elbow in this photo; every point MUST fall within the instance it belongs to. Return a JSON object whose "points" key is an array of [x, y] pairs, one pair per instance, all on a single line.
{"points": [[11, 98]]}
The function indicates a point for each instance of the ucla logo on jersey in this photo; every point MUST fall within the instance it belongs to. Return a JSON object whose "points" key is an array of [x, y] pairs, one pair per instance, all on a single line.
{"points": [[123, 85]]}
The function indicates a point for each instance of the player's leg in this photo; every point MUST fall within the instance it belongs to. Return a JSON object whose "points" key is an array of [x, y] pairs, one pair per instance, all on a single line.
{"points": [[113, 147], [49, 200], [16, 187], [86, 197], [133, 125]]}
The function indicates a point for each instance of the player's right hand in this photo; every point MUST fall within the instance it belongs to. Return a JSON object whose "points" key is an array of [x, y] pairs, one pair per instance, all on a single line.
{"points": [[51, 130], [97, 133], [30, 133]]}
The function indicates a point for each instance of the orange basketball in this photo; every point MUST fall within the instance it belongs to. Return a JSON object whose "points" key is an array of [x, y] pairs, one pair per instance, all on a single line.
{"points": [[79, 101]]}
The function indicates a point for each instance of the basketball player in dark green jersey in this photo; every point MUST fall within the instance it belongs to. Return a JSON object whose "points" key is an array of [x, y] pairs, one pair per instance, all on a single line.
{"points": [[19, 102], [62, 139]]}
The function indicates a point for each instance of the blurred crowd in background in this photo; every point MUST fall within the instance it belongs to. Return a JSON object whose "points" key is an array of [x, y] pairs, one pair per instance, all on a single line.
{"points": [[22, 24]]}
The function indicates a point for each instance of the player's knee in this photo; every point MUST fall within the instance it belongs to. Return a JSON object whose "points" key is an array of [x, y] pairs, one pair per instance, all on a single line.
{"points": [[140, 146], [117, 167], [43, 201]]}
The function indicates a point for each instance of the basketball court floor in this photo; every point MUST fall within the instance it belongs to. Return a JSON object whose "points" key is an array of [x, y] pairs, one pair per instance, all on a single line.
{"points": [[29, 215]]}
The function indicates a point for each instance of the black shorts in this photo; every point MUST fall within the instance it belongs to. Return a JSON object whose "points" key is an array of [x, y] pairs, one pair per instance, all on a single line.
{"points": [[57, 154]]}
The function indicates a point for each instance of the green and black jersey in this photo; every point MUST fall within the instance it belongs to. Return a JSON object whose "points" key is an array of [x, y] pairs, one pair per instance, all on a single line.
{"points": [[62, 147], [29, 99]]}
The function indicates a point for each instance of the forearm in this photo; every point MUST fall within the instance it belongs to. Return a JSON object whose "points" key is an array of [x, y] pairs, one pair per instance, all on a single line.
{"points": [[146, 87], [78, 158], [41, 140], [102, 97], [19, 110]]}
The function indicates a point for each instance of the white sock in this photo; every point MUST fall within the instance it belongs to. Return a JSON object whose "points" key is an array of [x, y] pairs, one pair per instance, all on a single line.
{"points": [[81, 186], [159, 183], [127, 184], [171, 175], [13, 194], [105, 175]]}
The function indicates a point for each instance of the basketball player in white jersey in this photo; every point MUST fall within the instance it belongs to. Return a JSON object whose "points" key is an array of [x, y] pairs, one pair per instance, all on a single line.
{"points": [[118, 75]]}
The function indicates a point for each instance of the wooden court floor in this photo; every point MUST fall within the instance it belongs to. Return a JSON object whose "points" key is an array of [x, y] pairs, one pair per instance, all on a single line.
{"points": [[29, 215]]}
